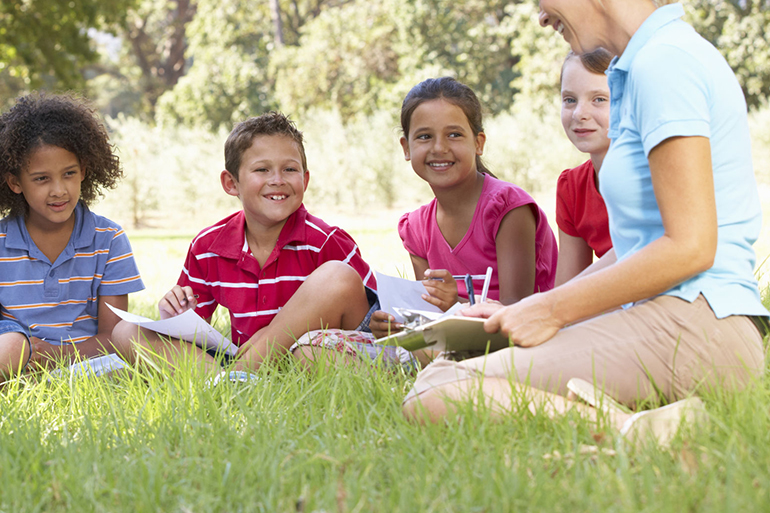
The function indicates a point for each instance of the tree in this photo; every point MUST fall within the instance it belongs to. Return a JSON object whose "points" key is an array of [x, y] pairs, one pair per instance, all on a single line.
{"points": [[740, 29], [156, 31], [46, 43], [230, 44]]}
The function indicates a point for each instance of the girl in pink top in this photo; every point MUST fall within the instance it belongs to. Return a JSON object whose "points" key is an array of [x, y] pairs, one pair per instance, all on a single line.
{"points": [[475, 220]]}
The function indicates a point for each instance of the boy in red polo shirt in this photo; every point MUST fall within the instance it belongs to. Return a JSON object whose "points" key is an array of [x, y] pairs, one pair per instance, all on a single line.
{"points": [[279, 270]]}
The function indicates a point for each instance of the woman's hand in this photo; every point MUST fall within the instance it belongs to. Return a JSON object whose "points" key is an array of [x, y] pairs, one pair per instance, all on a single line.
{"points": [[176, 301], [528, 323], [441, 288], [383, 324]]}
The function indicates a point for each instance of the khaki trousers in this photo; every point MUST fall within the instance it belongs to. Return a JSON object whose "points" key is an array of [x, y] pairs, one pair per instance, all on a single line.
{"points": [[664, 347]]}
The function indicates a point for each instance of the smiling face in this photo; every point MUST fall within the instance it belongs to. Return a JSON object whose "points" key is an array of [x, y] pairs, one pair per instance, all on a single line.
{"points": [[441, 144], [585, 108], [579, 22], [271, 181], [50, 184]]}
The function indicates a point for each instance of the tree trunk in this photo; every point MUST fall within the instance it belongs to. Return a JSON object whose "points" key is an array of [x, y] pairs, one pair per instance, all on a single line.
{"points": [[275, 9]]}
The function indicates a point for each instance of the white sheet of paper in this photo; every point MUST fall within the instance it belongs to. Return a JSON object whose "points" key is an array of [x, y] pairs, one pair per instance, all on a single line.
{"points": [[403, 293], [187, 326]]}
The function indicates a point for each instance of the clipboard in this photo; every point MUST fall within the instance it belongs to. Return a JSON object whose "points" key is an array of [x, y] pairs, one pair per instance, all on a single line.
{"points": [[449, 333]]}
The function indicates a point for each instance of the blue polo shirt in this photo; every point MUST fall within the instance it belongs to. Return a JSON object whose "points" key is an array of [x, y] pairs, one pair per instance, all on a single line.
{"points": [[671, 82], [58, 301]]}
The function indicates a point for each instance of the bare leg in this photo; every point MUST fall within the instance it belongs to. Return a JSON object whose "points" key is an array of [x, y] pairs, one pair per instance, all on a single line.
{"points": [[501, 397], [333, 296], [161, 350], [14, 353]]}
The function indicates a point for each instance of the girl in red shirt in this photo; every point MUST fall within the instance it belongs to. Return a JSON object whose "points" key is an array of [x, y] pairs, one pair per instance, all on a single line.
{"points": [[580, 211]]}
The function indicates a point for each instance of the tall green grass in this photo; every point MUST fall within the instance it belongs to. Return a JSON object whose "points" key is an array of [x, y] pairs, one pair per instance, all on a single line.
{"points": [[335, 440]]}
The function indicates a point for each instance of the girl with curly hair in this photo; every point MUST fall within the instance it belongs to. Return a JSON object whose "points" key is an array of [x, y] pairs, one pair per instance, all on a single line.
{"points": [[60, 264]]}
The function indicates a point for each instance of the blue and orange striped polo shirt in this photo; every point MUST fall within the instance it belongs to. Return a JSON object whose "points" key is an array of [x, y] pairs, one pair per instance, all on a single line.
{"points": [[58, 301]]}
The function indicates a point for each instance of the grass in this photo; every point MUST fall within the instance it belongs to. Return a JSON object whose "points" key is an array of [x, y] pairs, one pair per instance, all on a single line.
{"points": [[335, 440]]}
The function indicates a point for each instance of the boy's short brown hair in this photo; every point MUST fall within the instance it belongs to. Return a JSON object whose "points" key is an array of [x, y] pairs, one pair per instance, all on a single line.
{"points": [[243, 134]]}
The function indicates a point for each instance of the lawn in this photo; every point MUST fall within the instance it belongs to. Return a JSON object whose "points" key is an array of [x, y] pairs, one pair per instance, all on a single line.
{"points": [[335, 440]]}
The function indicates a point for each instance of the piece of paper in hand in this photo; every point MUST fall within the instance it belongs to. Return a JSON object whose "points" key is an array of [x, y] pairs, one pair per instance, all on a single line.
{"points": [[402, 293], [187, 326]]}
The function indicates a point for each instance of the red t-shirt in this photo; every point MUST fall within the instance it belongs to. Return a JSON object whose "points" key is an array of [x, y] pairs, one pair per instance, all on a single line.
{"points": [[222, 271], [580, 210]]}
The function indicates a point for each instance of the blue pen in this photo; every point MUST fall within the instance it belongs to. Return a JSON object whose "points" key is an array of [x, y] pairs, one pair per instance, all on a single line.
{"points": [[469, 288]]}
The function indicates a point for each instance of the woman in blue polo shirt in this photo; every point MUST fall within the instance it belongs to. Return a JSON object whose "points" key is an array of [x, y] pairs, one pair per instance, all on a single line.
{"points": [[684, 212]]}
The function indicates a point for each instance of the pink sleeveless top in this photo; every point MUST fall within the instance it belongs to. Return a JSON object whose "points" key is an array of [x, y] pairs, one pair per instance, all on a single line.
{"points": [[422, 237]]}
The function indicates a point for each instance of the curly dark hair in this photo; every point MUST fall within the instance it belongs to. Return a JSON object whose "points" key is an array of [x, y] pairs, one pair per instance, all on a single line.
{"points": [[243, 134], [66, 121]]}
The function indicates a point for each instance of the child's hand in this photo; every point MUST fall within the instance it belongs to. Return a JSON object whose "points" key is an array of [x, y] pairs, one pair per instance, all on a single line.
{"points": [[176, 301], [44, 355], [383, 324], [441, 287]]}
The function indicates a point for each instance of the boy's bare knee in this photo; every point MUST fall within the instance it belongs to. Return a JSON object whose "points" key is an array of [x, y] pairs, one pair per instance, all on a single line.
{"points": [[337, 274], [124, 332], [305, 356]]}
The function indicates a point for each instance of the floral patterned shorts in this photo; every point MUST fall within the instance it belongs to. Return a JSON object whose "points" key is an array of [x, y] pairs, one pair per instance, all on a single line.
{"points": [[361, 345]]}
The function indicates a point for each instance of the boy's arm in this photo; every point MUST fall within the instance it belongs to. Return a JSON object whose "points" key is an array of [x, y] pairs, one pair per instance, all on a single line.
{"points": [[45, 354]]}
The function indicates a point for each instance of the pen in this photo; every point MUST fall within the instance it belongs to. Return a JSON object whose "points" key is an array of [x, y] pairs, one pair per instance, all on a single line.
{"points": [[469, 288], [487, 281]]}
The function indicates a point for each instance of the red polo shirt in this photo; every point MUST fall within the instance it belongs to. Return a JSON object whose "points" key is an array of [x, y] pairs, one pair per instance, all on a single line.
{"points": [[222, 271], [580, 210]]}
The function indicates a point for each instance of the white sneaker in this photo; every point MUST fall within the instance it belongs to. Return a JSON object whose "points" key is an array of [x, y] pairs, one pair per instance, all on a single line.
{"points": [[233, 377]]}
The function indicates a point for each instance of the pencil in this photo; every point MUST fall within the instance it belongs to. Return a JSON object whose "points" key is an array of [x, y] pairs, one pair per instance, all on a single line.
{"points": [[487, 281]]}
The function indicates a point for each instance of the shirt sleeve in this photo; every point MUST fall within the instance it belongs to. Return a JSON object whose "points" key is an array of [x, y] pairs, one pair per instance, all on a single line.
{"points": [[672, 90], [341, 246], [500, 202], [412, 233], [121, 275], [194, 275]]}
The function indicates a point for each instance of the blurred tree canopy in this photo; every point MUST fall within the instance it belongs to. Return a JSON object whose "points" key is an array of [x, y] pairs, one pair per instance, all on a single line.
{"points": [[47, 43], [209, 63]]}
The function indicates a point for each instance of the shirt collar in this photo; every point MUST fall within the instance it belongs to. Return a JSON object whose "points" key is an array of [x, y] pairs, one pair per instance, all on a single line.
{"points": [[231, 240], [85, 227], [83, 232], [660, 17]]}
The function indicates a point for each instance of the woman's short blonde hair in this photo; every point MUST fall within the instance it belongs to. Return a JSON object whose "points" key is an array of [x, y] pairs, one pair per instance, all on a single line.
{"points": [[661, 3]]}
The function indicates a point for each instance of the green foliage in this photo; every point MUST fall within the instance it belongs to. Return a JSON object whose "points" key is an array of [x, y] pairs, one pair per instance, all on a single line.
{"points": [[339, 66], [740, 29], [364, 56], [46, 43], [230, 43]]}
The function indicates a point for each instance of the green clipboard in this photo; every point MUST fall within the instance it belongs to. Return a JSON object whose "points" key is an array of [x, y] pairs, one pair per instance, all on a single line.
{"points": [[454, 333]]}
